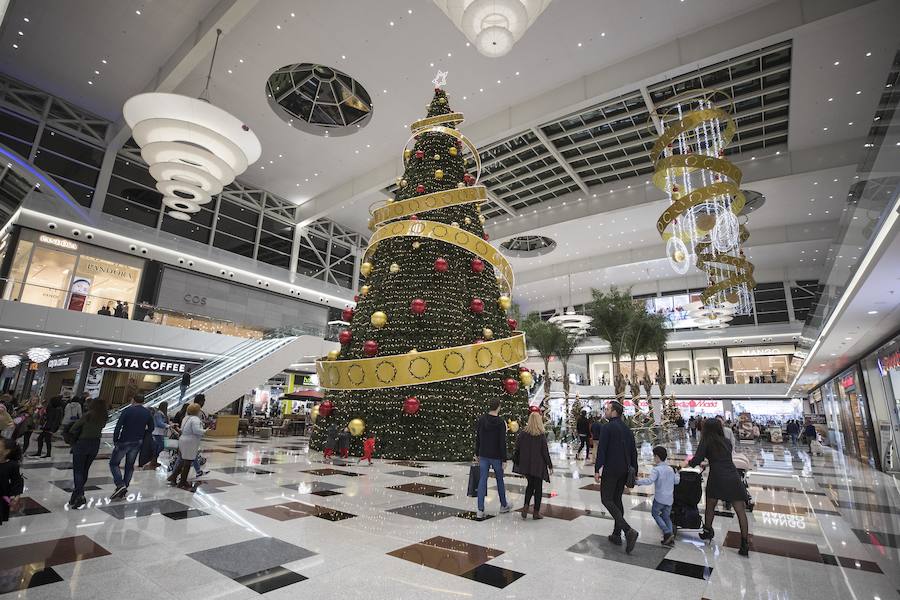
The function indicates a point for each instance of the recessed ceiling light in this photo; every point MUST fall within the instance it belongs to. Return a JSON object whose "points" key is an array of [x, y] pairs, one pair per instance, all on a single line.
{"points": [[391, 23], [409, 11], [137, 12], [858, 92], [602, 34], [15, 46], [343, 57], [278, 27], [103, 61], [90, 83], [837, 62], [872, 312], [848, 338], [480, 89], [850, 123], [20, 33], [464, 97], [384, 91], [230, 71], [824, 129], [868, 54], [449, 55], [27, 20], [579, 44]]}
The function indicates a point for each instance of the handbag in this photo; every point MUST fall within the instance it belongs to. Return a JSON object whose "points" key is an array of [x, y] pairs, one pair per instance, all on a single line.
{"points": [[474, 477]]}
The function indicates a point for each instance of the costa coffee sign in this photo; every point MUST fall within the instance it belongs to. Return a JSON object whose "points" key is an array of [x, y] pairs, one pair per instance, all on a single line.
{"points": [[135, 362]]}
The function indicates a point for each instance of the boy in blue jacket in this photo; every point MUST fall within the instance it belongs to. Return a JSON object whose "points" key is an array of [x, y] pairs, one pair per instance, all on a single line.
{"points": [[664, 478]]}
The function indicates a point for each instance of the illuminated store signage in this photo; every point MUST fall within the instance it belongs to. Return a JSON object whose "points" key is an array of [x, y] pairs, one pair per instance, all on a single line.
{"points": [[889, 362], [63, 361], [761, 350], [58, 242], [847, 381], [133, 362]]}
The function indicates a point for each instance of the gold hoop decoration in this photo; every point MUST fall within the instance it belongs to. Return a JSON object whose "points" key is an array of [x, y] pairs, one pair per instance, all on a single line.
{"points": [[433, 201], [683, 204], [678, 164], [741, 270], [454, 134], [451, 235], [422, 367], [454, 118], [690, 121]]}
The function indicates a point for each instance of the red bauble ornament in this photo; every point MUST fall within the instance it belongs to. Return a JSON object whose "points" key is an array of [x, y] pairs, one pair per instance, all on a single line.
{"points": [[347, 314], [458, 143], [510, 385], [420, 154], [534, 408], [524, 369], [477, 265], [345, 336], [441, 265], [485, 236], [411, 405], [477, 305], [413, 217], [370, 348], [468, 179], [417, 306], [513, 324], [420, 189], [326, 408]]}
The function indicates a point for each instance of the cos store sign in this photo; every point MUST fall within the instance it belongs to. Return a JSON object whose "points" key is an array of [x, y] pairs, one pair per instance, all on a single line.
{"points": [[133, 362]]}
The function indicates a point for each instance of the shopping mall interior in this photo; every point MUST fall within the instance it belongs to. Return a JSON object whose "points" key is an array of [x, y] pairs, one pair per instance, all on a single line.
{"points": [[297, 265]]}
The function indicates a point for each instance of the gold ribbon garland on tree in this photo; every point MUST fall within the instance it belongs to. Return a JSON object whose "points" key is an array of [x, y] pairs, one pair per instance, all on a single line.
{"points": [[415, 368]]}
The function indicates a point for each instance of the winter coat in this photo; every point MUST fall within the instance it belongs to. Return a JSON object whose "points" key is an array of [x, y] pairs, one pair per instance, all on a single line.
{"points": [[533, 456]]}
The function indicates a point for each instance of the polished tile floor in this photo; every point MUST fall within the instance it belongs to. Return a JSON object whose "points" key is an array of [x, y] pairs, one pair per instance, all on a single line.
{"points": [[272, 518]]}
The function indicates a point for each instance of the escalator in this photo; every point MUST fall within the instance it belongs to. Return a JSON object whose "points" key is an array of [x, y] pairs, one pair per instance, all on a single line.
{"points": [[229, 376]]}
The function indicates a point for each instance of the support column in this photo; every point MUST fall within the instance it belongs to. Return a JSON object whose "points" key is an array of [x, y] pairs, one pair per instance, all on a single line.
{"points": [[295, 249]]}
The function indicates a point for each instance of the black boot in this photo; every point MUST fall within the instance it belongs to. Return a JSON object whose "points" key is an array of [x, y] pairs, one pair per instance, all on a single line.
{"points": [[707, 534], [745, 547]]}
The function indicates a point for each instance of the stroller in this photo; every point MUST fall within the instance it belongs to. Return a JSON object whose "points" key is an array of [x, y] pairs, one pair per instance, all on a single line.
{"points": [[685, 514], [742, 464]]}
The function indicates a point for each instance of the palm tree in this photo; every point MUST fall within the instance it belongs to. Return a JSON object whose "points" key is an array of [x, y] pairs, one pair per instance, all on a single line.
{"points": [[545, 338], [565, 348], [612, 313]]}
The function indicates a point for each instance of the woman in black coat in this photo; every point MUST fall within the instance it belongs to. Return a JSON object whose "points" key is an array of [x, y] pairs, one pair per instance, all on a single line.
{"points": [[532, 459], [724, 481], [50, 424]]}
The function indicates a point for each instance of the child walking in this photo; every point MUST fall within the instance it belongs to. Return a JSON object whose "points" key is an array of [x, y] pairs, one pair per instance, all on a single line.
{"points": [[344, 443], [11, 482], [368, 449], [664, 478], [331, 441]]}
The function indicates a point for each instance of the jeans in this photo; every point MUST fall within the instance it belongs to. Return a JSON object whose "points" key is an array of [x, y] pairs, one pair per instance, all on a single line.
{"points": [[583, 439], [612, 486], [83, 454], [129, 451], [45, 437], [497, 465], [158, 446], [662, 515], [535, 487], [794, 439]]}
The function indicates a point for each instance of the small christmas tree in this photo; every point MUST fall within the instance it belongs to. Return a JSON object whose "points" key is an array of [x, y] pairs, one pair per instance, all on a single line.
{"points": [[429, 342]]}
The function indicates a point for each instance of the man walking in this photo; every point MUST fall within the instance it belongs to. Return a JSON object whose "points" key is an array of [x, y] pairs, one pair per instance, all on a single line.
{"points": [[583, 428], [134, 422], [185, 382], [616, 453], [490, 450], [793, 429]]}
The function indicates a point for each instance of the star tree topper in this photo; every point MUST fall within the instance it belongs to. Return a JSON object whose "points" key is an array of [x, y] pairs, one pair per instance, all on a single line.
{"points": [[440, 80]]}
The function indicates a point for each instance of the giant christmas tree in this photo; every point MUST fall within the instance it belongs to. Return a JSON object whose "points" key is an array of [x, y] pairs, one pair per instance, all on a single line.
{"points": [[429, 342]]}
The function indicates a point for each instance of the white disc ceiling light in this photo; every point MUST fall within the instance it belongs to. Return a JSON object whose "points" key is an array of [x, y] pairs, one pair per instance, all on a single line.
{"points": [[38, 355], [193, 148], [493, 26], [11, 361]]}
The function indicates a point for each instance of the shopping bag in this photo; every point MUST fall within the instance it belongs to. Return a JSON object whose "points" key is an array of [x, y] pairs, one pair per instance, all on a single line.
{"points": [[474, 476], [171, 444]]}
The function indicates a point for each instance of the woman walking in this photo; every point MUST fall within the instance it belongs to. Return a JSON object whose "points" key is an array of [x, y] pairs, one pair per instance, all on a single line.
{"points": [[532, 459], [724, 482], [192, 431], [85, 435], [160, 429]]}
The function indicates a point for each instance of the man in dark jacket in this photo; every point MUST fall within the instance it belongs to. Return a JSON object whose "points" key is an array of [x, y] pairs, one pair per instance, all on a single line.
{"points": [[52, 420], [133, 423], [490, 451], [793, 429], [616, 452], [583, 427]]}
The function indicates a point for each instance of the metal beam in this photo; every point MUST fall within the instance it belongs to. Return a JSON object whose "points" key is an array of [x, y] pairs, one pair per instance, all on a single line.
{"points": [[501, 203], [559, 158], [651, 108]]}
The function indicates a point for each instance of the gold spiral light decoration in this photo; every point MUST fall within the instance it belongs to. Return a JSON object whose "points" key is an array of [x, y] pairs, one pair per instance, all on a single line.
{"points": [[701, 224]]}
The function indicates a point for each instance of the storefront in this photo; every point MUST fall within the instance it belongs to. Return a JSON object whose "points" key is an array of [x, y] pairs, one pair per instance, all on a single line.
{"points": [[708, 366], [117, 376], [759, 364], [60, 375], [58, 272], [881, 373], [847, 416]]}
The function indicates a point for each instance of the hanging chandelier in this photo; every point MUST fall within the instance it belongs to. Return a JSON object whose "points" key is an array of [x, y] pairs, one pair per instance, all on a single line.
{"points": [[193, 148], [493, 26], [38, 355], [11, 361], [701, 225]]}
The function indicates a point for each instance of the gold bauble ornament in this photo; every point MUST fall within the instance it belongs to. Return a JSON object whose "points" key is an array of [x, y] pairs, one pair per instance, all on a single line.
{"points": [[453, 151], [378, 319], [504, 302], [481, 219], [403, 183], [438, 174], [356, 427], [416, 245], [460, 185], [437, 157], [513, 426], [394, 268], [407, 153], [705, 221], [413, 351], [468, 221], [442, 101], [679, 256], [526, 378], [314, 413], [364, 290], [365, 269], [487, 333], [333, 354]]}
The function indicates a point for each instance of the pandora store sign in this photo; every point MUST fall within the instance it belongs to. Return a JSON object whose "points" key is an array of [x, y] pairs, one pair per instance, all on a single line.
{"points": [[136, 362]]}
